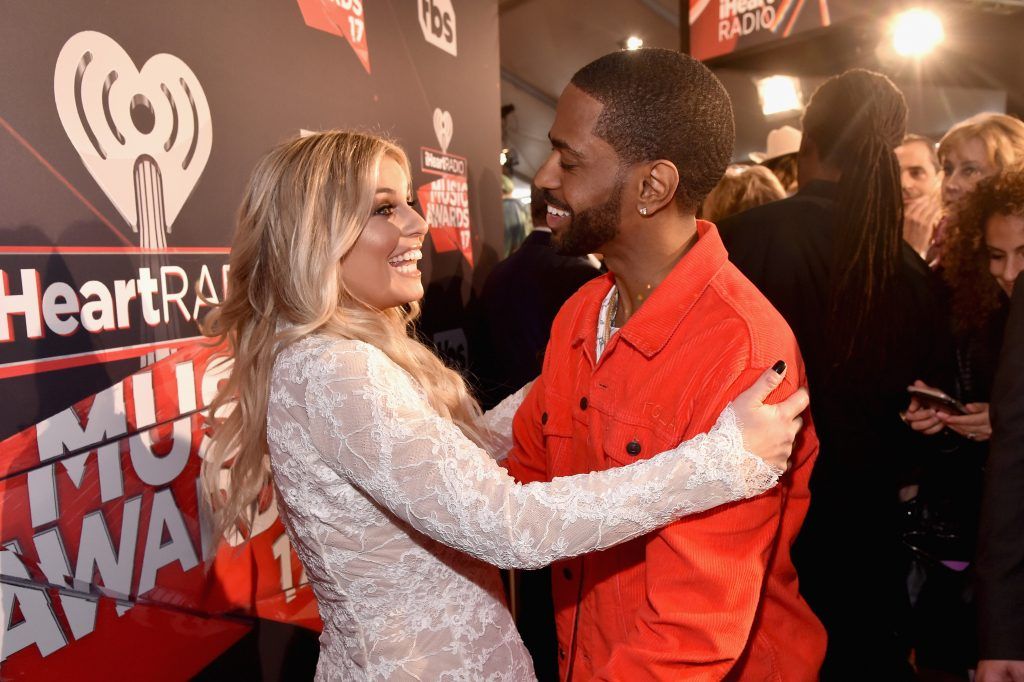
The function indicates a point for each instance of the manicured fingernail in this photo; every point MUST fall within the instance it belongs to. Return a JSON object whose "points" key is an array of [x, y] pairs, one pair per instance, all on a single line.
{"points": [[779, 367]]}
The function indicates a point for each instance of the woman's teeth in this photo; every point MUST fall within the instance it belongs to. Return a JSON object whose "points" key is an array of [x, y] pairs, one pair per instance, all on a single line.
{"points": [[406, 262]]}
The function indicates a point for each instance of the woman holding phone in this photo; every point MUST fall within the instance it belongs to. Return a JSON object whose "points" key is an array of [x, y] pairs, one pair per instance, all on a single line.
{"points": [[383, 465], [982, 259]]}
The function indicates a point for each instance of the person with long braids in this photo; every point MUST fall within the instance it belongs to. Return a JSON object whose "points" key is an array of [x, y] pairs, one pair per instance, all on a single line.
{"points": [[869, 321], [384, 469]]}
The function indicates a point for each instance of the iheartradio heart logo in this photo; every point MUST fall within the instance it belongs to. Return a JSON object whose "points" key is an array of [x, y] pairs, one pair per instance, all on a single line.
{"points": [[144, 134], [444, 128]]}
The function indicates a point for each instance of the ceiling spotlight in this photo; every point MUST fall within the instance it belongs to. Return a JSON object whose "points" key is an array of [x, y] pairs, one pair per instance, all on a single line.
{"points": [[633, 43], [916, 32], [779, 94]]}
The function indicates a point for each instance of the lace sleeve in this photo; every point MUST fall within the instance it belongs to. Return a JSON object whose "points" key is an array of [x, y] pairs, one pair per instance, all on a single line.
{"points": [[371, 424], [496, 424]]}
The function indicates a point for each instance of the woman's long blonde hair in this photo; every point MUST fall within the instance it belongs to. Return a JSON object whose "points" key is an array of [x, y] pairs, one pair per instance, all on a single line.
{"points": [[305, 206]]}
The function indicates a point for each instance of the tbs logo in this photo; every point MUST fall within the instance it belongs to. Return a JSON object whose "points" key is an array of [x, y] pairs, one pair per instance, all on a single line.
{"points": [[437, 20]]}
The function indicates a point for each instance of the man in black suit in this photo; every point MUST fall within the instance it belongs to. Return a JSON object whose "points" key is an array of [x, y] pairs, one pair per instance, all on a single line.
{"points": [[518, 303], [1000, 564], [511, 325]]}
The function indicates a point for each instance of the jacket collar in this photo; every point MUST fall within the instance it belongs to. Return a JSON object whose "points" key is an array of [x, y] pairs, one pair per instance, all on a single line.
{"points": [[651, 327]]}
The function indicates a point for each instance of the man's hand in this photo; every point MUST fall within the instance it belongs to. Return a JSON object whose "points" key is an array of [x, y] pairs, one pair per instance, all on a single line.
{"points": [[920, 216], [1000, 671]]}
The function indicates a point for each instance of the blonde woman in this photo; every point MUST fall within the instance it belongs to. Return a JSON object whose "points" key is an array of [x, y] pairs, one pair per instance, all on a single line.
{"points": [[384, 467], [971, 151], [978, 148]]}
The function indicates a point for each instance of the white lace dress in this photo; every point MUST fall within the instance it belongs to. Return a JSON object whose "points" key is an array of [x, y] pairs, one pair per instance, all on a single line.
{"points": [[399, 519]]}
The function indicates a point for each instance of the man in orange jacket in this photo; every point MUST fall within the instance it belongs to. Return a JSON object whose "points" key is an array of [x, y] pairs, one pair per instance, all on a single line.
{"points": [[647, 356]]}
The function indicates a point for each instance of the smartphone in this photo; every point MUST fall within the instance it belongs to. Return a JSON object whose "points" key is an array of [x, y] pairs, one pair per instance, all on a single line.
{"points": [[937, 400]]}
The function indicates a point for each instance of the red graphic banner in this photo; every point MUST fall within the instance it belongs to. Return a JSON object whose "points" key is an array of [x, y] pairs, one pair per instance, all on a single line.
{"points": [[720, 27], [102, 537], [342, 18], [445, 202]]}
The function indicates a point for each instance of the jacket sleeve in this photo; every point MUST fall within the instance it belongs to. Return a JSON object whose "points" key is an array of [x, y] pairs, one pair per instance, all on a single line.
{"points": [[704, 579], [527, 458]]}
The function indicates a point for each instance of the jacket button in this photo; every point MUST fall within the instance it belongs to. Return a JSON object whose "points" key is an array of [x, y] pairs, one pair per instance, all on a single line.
{"points": [[544, 418], [561, 653], [633, 448], [567, 573], [583, 403]]}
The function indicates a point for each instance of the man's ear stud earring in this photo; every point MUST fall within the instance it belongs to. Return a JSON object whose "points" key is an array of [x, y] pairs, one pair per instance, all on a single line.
{"points": [[643, 210]]}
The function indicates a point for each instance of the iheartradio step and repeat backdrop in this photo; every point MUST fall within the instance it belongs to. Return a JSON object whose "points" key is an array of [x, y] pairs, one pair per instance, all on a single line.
{"points": [[722, 27], [127, 131]]}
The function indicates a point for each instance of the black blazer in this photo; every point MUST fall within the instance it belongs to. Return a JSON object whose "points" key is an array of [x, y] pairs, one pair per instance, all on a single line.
{"points": [[1000, 564], [512, 318]]}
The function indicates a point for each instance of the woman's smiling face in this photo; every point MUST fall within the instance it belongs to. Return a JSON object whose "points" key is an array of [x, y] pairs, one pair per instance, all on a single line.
{"points": [[381, 268], [1004, 238]]}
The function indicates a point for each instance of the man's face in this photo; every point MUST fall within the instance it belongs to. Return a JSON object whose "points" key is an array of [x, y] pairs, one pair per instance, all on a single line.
{"points": [[582, 178], [918, 176]]}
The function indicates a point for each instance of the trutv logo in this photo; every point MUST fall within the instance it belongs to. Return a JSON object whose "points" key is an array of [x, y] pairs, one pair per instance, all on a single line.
{"points": [[437, 20]]}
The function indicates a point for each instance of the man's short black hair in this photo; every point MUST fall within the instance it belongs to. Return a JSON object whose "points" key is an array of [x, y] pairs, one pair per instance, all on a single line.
{"points": [[662, 104]]}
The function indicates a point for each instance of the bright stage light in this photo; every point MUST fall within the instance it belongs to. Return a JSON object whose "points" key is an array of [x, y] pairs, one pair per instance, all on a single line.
{"points": [[634, 43], [916, 32], [779, 94]]}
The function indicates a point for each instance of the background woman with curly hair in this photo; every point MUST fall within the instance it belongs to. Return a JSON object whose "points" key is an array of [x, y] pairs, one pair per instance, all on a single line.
{"points": [[981, 260], [984, 255]]}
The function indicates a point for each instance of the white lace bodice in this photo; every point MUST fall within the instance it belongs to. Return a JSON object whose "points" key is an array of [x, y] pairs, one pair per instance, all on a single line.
{"points": [[393, 512]]}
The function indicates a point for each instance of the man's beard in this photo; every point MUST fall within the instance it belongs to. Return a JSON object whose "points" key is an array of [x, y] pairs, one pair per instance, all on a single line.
{"points": [[592, 228]]}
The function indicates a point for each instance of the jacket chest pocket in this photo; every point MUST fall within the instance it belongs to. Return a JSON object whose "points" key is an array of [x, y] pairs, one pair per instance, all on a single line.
{"points": [[627, 443], [557, 427]]}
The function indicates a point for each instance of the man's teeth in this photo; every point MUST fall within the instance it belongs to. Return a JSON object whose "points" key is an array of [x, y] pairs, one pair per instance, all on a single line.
{"points": [[558, 213]]}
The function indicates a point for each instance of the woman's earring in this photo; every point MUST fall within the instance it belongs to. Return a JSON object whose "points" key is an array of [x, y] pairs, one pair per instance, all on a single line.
{"points": [[643, 210]]}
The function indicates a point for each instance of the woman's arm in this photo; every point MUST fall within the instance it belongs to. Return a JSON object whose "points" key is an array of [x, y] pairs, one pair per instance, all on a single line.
{"points": [[371, 424]]}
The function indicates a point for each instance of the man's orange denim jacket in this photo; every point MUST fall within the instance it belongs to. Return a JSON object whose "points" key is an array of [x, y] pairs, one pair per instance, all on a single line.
{"points": [[713, 596]]}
